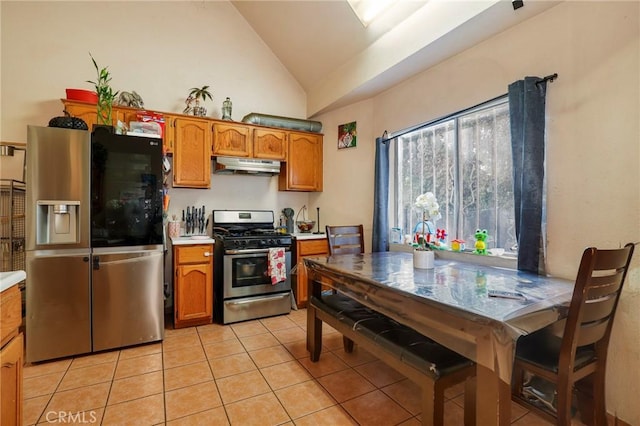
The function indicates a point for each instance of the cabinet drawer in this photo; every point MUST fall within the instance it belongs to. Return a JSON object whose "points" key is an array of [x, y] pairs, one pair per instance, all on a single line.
{"points": [[306, 248], [200, 253], [10, 313]]}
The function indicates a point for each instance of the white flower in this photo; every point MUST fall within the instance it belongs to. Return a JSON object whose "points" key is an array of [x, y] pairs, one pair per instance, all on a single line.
{"points": [[429, 206]]}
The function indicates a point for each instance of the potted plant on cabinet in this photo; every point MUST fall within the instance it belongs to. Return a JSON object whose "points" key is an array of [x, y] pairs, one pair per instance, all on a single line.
{"points": [[106, 95], [194, 97]]}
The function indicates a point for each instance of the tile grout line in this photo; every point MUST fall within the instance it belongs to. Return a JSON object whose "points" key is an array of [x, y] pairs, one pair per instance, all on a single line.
{"points": [[213, 377], [280, 344], [54, 392]]}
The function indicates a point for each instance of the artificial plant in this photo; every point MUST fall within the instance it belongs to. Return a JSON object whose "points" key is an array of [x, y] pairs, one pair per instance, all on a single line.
{"points": [[106, 95]]}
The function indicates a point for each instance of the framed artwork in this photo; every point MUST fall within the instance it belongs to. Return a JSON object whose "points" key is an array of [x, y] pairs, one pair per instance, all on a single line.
{"points": [[347, 135]]}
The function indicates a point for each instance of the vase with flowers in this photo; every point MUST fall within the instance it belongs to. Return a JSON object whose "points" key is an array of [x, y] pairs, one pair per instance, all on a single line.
{"points": [[423, 257]]}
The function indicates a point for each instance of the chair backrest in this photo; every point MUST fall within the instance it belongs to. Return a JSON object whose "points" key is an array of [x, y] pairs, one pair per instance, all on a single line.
{"points": [[596, 293], [345, 239]]}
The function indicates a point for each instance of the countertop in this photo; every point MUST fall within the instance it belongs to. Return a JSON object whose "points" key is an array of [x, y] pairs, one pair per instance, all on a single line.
{"points": [[9, 279], [195, 239], [308, 236]]}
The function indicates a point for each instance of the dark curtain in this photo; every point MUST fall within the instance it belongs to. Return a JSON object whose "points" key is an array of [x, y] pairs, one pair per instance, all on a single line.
{"points": [[381, 197], [527, 110]]}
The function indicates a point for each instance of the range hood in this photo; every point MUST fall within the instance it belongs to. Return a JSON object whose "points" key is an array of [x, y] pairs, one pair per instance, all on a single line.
{"points": [[246, 166]]}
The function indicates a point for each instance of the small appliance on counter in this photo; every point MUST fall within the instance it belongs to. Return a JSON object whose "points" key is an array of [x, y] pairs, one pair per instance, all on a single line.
{"points": [[288, 217]]}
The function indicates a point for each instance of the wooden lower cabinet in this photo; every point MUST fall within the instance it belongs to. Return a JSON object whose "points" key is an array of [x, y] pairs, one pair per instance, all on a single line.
{"points": [[306, 248], [11, 362], [193, 285], [11, 357]]}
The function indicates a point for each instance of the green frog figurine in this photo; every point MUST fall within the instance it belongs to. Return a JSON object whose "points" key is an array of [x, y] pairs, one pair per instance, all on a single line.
{"points": [[481, 238]]}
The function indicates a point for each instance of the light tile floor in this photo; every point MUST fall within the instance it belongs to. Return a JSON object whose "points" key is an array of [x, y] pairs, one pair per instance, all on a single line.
{"points": [[251, 373]]}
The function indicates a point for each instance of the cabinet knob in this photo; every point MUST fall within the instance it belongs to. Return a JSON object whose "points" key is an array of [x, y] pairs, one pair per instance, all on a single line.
{"points": [[207, 254]]}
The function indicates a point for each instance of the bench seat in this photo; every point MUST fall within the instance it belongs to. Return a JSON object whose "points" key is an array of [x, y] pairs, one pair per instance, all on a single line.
{"points": [[429, 364]]}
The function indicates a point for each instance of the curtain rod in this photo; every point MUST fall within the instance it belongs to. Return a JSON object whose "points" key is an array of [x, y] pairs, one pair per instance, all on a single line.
{"points": [[548, 78], [392, 135], [386, 136]]}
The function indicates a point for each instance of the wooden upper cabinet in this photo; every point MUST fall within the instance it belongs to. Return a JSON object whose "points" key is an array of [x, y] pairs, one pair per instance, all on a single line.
{"points": [[169, 135], [270, 144], [191, 152], [85, 111], [124, 114], [193, 140], [89, 113], [232, 140], [303, 169]]}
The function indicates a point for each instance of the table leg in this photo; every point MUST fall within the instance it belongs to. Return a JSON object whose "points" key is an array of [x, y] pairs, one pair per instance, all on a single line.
{"points": [[493, 398], [314, 334]]}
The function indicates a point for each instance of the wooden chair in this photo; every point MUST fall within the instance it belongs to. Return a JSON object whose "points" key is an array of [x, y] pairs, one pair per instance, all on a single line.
{"points": [[577, 357], [345, 239]]}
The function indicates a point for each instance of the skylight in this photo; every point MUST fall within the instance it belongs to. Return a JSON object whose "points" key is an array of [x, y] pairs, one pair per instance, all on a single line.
{"points": [[368, 10]]}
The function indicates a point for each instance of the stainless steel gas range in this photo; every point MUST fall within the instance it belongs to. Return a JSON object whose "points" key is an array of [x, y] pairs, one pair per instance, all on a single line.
{"points": [[242, 283]]}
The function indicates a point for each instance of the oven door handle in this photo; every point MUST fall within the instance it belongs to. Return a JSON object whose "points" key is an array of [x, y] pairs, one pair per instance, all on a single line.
{"points": [[248, 251], [258, 299]]}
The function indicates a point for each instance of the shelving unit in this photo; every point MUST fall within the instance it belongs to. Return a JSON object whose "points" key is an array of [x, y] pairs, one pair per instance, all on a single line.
{"points": [[12, 226]]}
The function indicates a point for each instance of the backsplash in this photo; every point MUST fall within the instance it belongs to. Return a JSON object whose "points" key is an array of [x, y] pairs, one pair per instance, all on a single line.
{"points": [[232, 192]]}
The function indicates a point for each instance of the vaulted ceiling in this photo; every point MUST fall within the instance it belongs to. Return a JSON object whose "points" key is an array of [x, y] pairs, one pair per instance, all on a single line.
{"points": [[338, 61]]}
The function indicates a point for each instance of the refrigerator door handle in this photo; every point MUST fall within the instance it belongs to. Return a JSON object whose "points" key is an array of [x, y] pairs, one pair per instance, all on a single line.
{"points": [[96, 263]]}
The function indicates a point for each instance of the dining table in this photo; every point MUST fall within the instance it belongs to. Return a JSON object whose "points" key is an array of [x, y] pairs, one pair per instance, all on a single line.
{"points": [[476, 310]]}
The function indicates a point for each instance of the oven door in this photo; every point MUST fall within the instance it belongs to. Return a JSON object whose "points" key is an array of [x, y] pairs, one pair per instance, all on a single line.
{"points": [[246, 273]]}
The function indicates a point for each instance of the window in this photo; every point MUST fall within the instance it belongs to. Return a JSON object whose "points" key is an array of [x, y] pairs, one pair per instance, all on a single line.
{"points": [[465, 160]]}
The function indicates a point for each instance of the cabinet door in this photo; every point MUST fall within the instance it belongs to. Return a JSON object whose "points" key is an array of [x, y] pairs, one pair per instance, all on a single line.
{"points": [[194, 292], [193, 285], [124, 114], [304, 249], [270, 144], [11, 362], [233, 140], [168, 139], [87, 112], [192, 153], [303, 169]]}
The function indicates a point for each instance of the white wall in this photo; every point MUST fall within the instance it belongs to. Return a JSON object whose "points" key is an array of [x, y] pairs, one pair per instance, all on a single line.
{"points": [[593, 157], [347, 198], [160, 50]]}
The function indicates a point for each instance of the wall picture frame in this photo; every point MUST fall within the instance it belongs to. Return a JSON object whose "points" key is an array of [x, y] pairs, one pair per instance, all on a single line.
{"points": [[347, 135]]}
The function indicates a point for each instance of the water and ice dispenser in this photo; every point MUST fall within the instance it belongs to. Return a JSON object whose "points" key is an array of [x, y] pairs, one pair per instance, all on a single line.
{"points": [[58, 222]]}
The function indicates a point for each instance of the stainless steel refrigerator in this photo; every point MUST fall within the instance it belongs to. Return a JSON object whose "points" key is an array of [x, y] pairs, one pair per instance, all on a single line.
{"points": [[94, 242]]}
